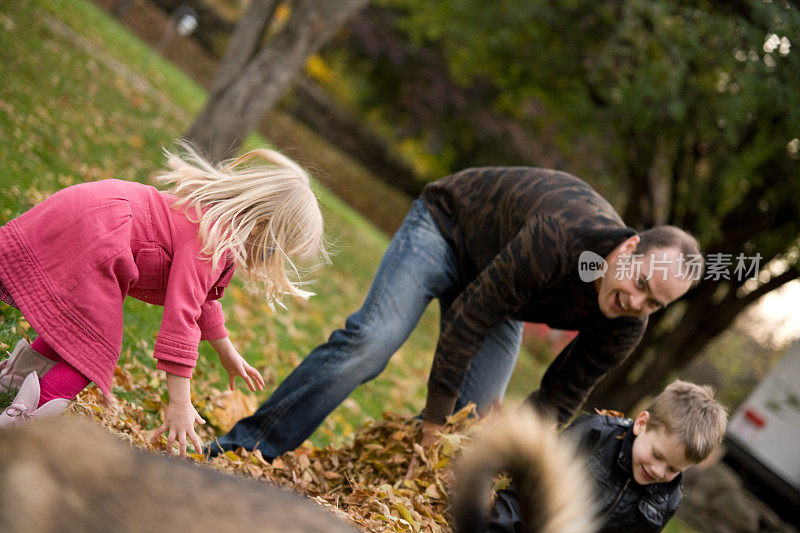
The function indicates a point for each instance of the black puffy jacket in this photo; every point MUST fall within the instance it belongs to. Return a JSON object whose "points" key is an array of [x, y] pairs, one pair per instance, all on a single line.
{"points": [[624, 505]]}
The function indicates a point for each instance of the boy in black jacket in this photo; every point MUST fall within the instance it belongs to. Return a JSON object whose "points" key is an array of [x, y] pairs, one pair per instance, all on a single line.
{"points": [[637, 464]]}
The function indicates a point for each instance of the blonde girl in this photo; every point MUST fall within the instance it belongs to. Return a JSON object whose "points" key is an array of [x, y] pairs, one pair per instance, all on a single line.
{"points": [[68, 263]]}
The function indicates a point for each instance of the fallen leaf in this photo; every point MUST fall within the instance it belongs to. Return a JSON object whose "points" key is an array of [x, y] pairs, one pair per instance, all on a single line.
{"points": [[223, 409]]}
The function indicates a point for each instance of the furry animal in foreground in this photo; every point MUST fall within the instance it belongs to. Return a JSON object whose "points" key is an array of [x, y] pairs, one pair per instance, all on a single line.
{"points": [[68, 474], [545, 466]]}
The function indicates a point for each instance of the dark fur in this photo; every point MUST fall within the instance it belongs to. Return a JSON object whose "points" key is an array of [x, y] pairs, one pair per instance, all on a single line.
{"points": [[67, 474]]}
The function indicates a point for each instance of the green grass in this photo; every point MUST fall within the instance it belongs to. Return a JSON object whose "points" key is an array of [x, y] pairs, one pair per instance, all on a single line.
{"points": [[82, 99]]}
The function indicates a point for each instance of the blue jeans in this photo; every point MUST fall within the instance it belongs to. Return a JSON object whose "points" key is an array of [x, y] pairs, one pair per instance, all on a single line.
{"points": [[418, 266]]}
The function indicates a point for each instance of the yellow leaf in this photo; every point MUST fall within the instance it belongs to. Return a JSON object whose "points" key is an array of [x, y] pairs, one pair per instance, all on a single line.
{"points": [[231, 455], [451, 444], [462, 414], [443, 462], [318, 69], [387, 489], [257, 458], [502, 483], [282, 12], [407, 516]]}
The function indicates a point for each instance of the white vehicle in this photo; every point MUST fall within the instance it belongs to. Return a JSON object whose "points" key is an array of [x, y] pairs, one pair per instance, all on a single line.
{"points": [[763, 438]]}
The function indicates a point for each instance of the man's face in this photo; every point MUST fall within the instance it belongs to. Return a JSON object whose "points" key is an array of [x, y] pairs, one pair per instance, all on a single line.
{"points": [[657, 456], [637, 285]]}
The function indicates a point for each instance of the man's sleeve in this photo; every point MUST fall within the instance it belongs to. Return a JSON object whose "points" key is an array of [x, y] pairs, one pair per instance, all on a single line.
{"points": [[520, 271], [583, 363]]}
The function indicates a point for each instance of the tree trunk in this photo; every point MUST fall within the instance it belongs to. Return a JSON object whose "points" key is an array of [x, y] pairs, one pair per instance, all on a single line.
{"points": [[236, 109], [244, 43]]}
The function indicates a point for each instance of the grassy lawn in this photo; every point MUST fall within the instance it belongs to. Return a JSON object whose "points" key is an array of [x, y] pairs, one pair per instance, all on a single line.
{"points": [[82, 99]]}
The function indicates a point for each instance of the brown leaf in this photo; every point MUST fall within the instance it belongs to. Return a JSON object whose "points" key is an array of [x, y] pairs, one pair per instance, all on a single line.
{"points": [[224, 408], [358, 479]]}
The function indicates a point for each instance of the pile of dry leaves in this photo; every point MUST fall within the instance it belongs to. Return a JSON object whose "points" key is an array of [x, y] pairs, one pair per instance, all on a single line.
{"points": [[382, 481]]}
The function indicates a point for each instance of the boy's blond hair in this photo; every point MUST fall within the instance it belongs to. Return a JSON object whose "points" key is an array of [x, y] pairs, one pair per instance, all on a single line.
{"points": [[691, 413], [265, 215]]}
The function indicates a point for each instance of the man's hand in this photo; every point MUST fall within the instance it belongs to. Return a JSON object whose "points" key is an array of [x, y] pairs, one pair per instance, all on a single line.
{"points": [[235, 365], [429, 430], [180, 416]]}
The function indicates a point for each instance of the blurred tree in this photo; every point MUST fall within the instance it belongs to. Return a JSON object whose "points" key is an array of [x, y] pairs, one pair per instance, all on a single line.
{"points": [[404, 89], [681, 112], [267, 51], [692, 107]]}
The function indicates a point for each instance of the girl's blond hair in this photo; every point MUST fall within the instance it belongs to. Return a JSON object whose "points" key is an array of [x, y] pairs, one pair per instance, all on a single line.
{"points": [[264, 215]]}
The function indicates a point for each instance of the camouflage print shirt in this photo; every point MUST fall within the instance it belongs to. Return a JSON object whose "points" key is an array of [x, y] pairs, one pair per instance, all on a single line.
{"points": [[518, 233]]}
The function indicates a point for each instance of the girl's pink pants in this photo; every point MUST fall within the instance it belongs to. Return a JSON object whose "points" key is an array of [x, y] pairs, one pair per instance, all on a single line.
{"points": [[63, 380]]}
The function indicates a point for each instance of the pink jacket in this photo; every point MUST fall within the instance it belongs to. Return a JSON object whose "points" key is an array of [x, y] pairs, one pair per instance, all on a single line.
{"points": [[70, 261]]}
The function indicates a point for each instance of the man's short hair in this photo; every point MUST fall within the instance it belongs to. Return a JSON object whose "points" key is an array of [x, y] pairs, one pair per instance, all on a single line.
{"points": [[691, 413], [660, 237]]}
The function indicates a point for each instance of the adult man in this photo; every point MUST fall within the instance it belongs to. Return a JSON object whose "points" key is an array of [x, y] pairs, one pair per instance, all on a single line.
{"points": [[497, 246]]}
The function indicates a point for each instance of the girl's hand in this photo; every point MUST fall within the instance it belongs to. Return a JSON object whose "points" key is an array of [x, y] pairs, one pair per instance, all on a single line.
{"points": [[180, 416], [235, 365], [180, 419]]}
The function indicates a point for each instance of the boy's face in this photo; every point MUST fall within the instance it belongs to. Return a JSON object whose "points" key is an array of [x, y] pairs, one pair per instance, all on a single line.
{"points": [[657, 456]]}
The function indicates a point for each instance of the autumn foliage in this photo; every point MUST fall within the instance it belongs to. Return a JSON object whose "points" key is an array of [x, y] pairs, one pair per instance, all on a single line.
{"points": [[373, 480]]}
